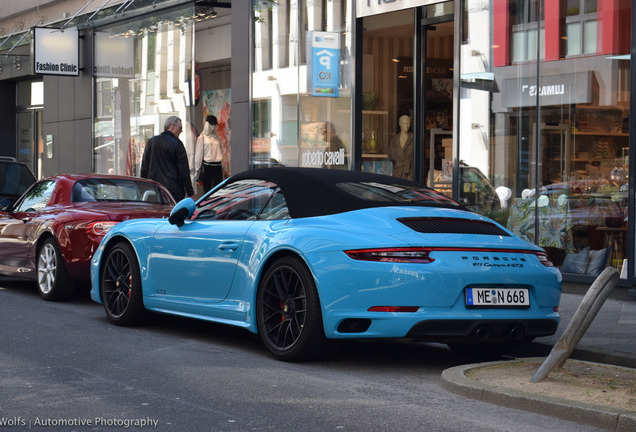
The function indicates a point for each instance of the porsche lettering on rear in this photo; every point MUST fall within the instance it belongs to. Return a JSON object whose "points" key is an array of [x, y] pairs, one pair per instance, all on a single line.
{"points": [[493, 259]]}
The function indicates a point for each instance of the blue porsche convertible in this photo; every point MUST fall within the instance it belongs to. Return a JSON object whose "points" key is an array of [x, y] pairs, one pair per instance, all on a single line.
{"points": [[305, 257]]}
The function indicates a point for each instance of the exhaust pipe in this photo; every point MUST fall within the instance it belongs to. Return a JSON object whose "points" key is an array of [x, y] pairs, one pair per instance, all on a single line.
{"points": [[482, 333], [516, 333]]}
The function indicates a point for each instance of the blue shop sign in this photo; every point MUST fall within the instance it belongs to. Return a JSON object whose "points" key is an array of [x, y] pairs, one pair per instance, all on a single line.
{"points": [[324, 74]]}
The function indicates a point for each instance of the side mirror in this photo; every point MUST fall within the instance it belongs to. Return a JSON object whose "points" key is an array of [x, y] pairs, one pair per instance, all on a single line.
{"points": [[5, 205], [183, 210]]}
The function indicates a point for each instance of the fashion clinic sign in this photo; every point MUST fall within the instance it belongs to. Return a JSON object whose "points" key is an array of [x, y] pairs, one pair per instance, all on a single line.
{"points": [[373, 7], [55, 51]]}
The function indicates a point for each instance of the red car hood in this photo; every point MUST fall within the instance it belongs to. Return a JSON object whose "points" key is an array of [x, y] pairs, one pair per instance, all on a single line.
{"points": [[121, 211]]}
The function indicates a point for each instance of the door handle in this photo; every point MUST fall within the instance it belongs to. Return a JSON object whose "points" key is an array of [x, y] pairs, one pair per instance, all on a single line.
{"points": [[228, 246], [26, 219]]}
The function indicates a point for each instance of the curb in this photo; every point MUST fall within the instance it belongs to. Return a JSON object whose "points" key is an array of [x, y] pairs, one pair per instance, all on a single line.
{"points": [[456, 381], [594, 355]]}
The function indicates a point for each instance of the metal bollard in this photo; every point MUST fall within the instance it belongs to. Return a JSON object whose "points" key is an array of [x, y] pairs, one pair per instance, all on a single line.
{"points": [[585, 314]]}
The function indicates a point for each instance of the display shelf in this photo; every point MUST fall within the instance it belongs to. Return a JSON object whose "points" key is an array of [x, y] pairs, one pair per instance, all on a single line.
{"points": [[374, 156], [603, 134], [375, 124]]}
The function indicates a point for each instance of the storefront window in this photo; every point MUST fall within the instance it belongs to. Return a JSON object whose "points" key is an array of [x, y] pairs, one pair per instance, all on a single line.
{"points": [[301, 84], [524, 17], [142, 76], [551, 138], [580, 27], [387, 94]]}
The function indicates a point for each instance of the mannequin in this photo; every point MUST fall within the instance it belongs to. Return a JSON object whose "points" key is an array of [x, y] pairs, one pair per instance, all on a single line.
{"points": [[401, 150], [209, 155]]}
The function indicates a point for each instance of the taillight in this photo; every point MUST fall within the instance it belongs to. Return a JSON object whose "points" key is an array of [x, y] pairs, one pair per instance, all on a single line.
{"points": [[543, 258], [397, 255], [100, 228]]}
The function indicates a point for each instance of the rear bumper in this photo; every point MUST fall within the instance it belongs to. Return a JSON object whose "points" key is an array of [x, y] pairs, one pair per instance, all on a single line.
{"points": [[445, 326], [448, 331]]}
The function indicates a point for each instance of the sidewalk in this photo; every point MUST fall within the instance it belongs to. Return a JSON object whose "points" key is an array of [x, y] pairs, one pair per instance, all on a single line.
{"points": [[610, 340]]}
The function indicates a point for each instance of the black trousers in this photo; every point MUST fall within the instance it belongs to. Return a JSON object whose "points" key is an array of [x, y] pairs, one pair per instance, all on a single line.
{"points": [[212, 175]]}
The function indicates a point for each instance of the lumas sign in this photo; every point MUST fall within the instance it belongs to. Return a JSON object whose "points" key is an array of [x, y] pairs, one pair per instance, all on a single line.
{"points": [[55, 51]]}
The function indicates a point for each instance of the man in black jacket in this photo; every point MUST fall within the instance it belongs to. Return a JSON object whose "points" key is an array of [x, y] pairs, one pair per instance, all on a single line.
{"points": [[165, 160]]}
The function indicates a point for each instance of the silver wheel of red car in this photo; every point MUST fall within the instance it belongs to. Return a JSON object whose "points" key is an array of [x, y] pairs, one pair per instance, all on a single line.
{"points": [[288, 311], [120, 286], [54, 282]]}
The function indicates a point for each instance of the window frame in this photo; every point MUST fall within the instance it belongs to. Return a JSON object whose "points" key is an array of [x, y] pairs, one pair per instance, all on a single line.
{"points": [[581, 18]]}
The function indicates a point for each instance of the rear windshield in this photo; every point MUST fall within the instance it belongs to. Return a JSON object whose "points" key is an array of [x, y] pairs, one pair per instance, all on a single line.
{"points": [[397, 193], [119, 190]]}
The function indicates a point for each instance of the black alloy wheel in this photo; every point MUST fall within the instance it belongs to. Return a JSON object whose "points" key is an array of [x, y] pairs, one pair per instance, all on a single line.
{"points": [[288, 312], [120, 286]]}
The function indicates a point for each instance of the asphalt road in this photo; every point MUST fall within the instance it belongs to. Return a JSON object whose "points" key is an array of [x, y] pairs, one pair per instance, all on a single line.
{"points": [[64, 367]]}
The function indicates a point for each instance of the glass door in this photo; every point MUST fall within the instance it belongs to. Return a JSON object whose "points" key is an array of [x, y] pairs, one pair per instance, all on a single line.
{"points": [[30, 145], [30, 140], [407, 94], [387, 94], [437, 101]]}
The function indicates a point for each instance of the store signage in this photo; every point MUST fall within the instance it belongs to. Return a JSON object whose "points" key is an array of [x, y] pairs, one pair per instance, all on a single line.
{"points": [[564, 89], [55, 51], [323, 158], [114, 56], [488, 76], [373, 7], [323, 68]]}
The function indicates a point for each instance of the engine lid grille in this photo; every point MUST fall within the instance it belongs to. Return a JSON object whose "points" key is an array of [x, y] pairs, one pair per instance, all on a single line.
{"points": [[452, 226]]}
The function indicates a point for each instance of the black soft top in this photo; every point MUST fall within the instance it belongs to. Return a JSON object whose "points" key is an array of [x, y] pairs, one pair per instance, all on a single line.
{"points": [[315, 192]]}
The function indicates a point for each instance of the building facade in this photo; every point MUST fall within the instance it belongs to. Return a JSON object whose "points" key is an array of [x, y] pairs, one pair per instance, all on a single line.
{"points": [[519, 109]]}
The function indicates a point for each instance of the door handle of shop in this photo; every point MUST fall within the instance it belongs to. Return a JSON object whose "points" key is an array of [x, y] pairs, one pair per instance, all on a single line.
{"points": [[228, 246]]}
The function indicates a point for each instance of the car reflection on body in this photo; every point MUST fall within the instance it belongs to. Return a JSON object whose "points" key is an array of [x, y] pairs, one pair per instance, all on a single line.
{"points": [[50, 233], [305, 257]]}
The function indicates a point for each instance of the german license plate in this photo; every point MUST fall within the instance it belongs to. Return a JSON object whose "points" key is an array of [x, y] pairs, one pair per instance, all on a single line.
{"points": [[497, 297]]}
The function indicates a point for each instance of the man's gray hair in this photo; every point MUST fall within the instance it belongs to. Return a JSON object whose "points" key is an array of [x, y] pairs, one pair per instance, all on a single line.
{"points": [[172, 120]]}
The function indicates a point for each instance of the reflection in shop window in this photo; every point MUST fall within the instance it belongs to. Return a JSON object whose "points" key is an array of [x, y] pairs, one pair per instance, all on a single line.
{"points": [[525, 17], [141, 86], [558, 160], [289, 111], [580, 27]]}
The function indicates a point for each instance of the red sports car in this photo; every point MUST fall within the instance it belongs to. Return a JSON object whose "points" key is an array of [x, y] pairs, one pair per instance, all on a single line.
{"points": [[51, 232]]}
